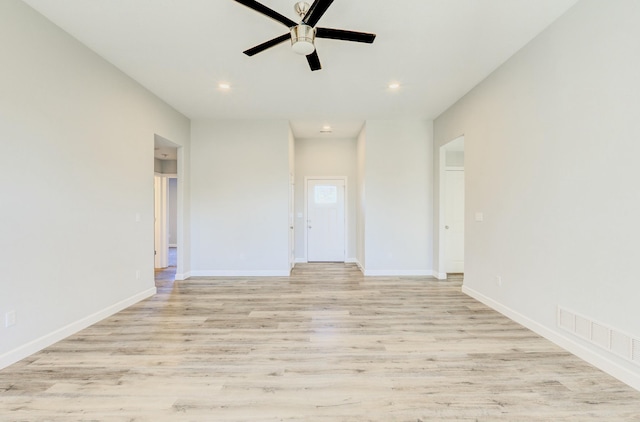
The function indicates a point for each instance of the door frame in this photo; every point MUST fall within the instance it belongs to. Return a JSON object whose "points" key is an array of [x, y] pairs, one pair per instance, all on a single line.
{"points": [[306, 210], [292, 222], [160, 243]]}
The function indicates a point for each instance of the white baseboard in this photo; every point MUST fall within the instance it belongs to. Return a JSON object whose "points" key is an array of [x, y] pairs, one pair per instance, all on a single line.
{"points": [[440, 276], [399, 273], [47, 340], [240, 273], [346, 261], [591, 356], [182, 276]]}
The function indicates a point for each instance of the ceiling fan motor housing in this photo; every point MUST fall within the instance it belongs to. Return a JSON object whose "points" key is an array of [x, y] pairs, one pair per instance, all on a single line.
{"points": [[302, 38]]}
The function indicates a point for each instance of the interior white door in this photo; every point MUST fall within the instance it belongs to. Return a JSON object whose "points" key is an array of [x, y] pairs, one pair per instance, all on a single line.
{"points": [[325, 220], [454, 221]]}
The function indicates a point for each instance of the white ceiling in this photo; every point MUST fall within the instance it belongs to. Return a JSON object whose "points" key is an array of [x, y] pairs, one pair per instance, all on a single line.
{"points": [[182, 49]]}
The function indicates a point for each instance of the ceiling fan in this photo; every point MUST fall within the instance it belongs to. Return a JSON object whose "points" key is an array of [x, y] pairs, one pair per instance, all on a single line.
{"points": [[303, 34]]}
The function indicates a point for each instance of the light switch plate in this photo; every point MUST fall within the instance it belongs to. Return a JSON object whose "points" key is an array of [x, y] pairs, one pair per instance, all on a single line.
{"points": [[10, 319]]}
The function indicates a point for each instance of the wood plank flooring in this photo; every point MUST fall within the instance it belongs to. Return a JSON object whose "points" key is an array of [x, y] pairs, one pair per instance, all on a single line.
{"points": [[326, 344]]}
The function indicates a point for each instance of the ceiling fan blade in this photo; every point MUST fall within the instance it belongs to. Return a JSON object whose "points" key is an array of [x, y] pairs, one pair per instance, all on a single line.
{"points": [[316, 11], [261, 8], [341, 34], [314, 61], [259, 48]]}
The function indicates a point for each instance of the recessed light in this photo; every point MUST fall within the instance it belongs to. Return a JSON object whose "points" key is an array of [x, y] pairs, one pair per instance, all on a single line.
{"points": [[394, 85], [224, 86], [326, 129]]}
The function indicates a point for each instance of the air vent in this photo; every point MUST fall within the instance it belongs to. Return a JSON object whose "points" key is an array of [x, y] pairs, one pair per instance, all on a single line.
{"points": [[610, 339], [600, 335], [583, 327], [635, 353], [621, 344], [566, 320]]}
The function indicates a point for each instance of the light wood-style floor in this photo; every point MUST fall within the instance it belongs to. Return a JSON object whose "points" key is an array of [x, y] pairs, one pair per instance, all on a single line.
{"points": [[326, 344]]}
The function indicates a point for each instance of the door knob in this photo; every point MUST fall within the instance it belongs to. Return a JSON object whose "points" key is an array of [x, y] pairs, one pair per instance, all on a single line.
{"points": [[446, 227]]}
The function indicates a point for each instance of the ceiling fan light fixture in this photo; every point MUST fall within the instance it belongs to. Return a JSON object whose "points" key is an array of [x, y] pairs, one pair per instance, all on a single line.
{"points": [[302, 37]]}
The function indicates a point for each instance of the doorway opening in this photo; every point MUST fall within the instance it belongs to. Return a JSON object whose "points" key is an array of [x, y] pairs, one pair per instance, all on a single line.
{"points": [[166, 210], [452, 214]]}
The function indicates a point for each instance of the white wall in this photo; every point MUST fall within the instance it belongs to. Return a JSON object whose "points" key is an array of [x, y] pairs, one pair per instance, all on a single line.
{"points": [[398, 174], [239, 197], [326, 158], [169, 166], [71, 243], [551, 158]]}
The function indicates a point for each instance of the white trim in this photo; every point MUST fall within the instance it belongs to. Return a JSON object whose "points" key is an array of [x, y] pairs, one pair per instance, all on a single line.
{"points": [[167, 175], [591, 356], [407, 273], [346, 261], [47, 340], [240, 273], [360, 267], [440, 276], [181, 276]]}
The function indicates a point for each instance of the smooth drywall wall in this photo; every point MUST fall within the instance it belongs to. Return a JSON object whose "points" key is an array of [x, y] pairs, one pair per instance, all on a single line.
{"points": [[398, 174], [77, 212], [326, 158], [551, 160], [239, 197], [157, 165], [169, 166]]}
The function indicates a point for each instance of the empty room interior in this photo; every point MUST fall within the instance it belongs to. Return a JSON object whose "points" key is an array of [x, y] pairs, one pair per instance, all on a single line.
{"points": [[338, 210]]}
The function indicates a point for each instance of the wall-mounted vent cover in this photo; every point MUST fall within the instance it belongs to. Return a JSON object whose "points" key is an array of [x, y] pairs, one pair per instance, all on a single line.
{"points": [[583, 327], [635, 353], [620, 343], [566, 320], [610, 339], [600, 335]]}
